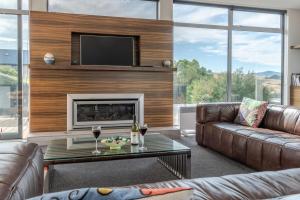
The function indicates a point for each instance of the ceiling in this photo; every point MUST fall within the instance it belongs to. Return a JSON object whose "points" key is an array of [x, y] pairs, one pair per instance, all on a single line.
{"points": [[272, 4]]}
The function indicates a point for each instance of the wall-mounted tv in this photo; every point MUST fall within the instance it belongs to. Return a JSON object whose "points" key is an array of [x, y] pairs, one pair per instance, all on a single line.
{"points": [[107, 50]]}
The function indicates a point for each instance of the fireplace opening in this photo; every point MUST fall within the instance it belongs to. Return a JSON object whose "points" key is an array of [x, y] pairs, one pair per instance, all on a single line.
{"points": [[109, 111], [105, 113], [101, 111]]}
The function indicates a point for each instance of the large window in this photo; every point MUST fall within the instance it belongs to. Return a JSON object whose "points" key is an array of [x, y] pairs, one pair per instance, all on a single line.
{"points": [[201, 70], [256, 66], [146, 9], [13, 63], [226, 53]]}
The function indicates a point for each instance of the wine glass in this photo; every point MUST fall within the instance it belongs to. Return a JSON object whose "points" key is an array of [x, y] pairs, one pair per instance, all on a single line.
{"points": [[96, 132], [143, 129]]}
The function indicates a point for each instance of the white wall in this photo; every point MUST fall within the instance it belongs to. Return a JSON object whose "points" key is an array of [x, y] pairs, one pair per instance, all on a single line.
{"points": [[292, 56], [38, 5], [166, 10]]}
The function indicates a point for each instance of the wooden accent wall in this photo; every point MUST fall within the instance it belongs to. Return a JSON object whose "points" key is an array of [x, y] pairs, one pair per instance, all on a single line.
{"points": [[51, 32], [295, 96], [49, 84]]}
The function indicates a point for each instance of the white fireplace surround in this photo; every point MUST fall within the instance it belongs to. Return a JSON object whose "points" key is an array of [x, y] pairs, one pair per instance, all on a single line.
{"points": [[113, 96]]}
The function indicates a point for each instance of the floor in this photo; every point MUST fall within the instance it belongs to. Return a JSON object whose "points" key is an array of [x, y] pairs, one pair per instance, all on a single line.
{"points": [[205, 163]]}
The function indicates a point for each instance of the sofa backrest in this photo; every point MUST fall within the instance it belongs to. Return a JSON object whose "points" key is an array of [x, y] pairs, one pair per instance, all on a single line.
{"points": [[22, 170], [282, 118]]}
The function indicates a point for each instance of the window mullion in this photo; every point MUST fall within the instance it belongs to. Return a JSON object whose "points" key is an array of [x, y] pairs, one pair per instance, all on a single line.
{"points": [[256, 29], [282, 24], [229, 55], [20, 64], [206, 26], [13, 11]]}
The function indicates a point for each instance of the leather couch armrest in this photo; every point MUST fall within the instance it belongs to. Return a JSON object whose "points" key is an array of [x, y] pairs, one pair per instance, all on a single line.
{"points": [[216, 112]]}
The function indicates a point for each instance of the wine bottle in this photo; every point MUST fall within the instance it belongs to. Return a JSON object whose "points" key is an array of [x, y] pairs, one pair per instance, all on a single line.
{"points": [[134, 136]]}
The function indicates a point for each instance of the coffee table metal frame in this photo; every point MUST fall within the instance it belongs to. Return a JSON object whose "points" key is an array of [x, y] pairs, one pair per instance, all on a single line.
{"points": [[176, 161]]}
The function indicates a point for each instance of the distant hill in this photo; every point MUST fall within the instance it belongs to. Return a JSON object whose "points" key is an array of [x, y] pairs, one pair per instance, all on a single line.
{"points": [[10, 57], [274, 77], [269, 74]]}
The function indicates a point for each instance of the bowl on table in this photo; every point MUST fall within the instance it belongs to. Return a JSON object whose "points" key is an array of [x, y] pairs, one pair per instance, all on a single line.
{"points": [[115, 142]]}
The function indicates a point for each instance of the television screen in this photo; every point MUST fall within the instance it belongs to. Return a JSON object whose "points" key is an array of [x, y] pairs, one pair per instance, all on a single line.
{"points": [[107, 50]]}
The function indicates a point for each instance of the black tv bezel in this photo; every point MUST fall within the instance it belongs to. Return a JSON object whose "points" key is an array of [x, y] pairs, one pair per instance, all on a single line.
{"points": [[117, 36]]}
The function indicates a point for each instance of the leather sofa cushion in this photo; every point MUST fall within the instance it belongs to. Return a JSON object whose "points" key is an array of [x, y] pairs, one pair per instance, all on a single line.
{"points": [[290, 155], [261, 149], [222, 112], [260, 185], [21, 167], [282, 118], [273, 117]]}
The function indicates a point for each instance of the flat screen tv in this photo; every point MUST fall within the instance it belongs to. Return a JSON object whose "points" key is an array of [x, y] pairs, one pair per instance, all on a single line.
{"points": [[107, 50]]}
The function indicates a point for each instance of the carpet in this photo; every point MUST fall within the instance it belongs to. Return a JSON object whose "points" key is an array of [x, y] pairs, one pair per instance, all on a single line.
{"points": [[204, 163]]}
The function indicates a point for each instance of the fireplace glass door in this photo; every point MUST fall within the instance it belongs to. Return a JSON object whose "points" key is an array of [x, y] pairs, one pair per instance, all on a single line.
{"points": [[114, 113]]}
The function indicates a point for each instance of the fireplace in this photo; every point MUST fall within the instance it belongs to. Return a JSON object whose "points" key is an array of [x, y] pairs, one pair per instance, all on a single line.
{"points": [[107, 110]]}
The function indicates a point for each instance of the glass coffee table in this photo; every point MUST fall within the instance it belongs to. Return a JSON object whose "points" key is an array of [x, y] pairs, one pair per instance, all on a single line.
{"points": [[171, 154]]}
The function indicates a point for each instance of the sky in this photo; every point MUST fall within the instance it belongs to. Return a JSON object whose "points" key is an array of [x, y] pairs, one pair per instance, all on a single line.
{"points": [[12, 4], [8, 26], [120, 8], [252, 51], [8, 23]]}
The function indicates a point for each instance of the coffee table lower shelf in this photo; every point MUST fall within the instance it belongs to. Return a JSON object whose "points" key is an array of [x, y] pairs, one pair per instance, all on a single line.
{"points": [[178, 164]]}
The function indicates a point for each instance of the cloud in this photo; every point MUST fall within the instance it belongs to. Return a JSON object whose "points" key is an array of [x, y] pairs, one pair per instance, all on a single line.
{"points": [[194, 35], [248, 47], [200, 14], [259, 48], [8, 4], [123, 8], [8, 32], [207, 40], [219, 50], [257, 19]]}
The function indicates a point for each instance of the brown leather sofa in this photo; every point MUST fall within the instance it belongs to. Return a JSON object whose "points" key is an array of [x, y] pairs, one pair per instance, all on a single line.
{"points": [[260, 185], [274, 145], [21, 171]]}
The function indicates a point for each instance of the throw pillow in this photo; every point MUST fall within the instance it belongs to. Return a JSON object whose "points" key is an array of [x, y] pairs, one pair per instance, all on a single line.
{"points": [[251, 112], [179, 193]]}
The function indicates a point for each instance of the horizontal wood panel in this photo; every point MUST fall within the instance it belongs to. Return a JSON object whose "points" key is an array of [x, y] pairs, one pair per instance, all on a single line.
{"points": [[295, 96], [52, 32], [49, 90], [110, 68]]}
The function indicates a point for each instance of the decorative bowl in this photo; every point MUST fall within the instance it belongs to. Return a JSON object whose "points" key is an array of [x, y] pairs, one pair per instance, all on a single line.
{"points": [[115, 142]]}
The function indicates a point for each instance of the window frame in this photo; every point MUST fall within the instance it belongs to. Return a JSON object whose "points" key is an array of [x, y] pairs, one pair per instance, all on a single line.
{"points": [[231, 27], [19, 12], [156, 9]]}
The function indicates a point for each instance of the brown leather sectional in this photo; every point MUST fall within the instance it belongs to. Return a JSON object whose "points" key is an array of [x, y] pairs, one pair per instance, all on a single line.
{"points": [[21, 177], [260, 185], [274, 145], [21, 171]]}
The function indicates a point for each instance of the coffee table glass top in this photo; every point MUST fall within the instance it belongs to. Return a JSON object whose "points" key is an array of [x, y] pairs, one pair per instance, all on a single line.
{"points": [[77, 148]]}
